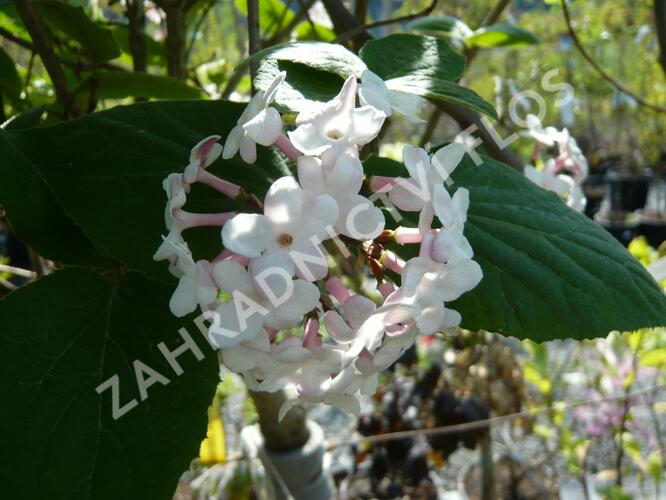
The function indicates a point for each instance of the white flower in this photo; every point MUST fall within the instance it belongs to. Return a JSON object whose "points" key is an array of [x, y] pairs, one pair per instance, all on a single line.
{"points": [[450, 244], [201, 156], [571, 158], [547, 136], [566, 187], [259, 124], [194, 285], [547, 178], [290, 232], [427, 284], [357, 217], [373, 92], [247, 310], [417, 192], [330, 129]]}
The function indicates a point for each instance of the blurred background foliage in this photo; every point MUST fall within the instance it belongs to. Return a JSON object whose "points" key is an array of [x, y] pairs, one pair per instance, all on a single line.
{"points": [[190, 49]]}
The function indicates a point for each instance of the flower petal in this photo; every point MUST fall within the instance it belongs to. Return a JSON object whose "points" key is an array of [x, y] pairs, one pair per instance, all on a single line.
{"points": [[232, 144], [247, 234], [265, 128], [284, 200]]}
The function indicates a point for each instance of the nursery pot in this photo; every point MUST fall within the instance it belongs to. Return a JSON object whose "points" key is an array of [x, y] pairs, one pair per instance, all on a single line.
{"points": [[627, 191], [594, 188], [300, 470], [653, 227], [622, 231]]}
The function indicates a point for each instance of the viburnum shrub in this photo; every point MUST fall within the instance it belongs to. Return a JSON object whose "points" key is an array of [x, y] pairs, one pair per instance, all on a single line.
{"points": [[308, 265], [282, 316]]}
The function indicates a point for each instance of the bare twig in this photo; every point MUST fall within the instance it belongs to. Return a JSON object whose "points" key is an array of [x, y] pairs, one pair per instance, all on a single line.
{"points": [[44, 48], [583, 51], [254, 42], [302, 14], [7, 284], [136, 17], [17, 271], [660, 25], [197, 26], [343, 22], [385, 22]]}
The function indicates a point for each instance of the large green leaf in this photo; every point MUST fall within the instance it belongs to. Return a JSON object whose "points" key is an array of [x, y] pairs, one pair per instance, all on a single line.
{"points": [[447, 26], [73, 22], [548, 272], [106, 169], [303, 86], [501, 35], [62, 337], [443, 90], [35, 215], [328, 57], [405, 54], [10, 82], [121, 84]]}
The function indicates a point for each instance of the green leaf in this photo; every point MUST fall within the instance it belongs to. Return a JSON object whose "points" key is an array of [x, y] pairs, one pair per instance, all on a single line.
{"points": [[654, 357], [10, 82], [62, 337], [73, 22], [498, 35], [305, 31], [445, 26], [107, 170], [121, 84], [35, 215], [411, 55], [303, 86], [444, 90], [328, 57], [548, 272], [28, 119]]}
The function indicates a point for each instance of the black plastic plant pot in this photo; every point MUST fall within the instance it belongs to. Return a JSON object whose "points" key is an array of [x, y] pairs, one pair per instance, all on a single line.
{"points": [[594, 188], [623, 232], [654, 230], [628, 191]]}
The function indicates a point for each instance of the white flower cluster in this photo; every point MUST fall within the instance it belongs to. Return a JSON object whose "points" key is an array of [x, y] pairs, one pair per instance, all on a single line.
{"points": [[563, 174], [281, 312]]}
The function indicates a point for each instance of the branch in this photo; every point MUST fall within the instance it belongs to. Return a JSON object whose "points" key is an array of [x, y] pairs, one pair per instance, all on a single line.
{"points": [[136, 17], [344, 21], [619, 86], [385, 22], [660, 25], [44, 48], [254, 41], [77, 65]]}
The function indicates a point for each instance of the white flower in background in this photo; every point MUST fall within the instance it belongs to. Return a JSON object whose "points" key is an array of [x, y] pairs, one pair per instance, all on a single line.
{"points": [[358, 217], [246, 310], [417, 192], [373, 92], [330, 129], [259, 124], [548, 136], [547, 178], [571, 158], [566, 187], [294, 224]]}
